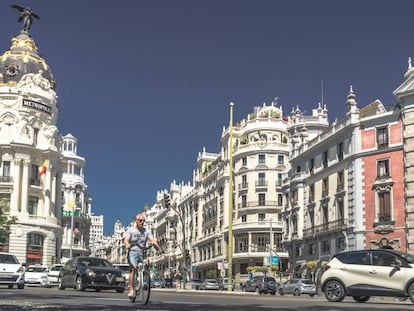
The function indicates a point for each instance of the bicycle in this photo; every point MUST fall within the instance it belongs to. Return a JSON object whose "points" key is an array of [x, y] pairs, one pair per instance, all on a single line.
{"points": [[142, 280]]}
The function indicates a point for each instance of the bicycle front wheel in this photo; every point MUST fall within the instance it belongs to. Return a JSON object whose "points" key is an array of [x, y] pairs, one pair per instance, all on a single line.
{"points": [[146, 286]]}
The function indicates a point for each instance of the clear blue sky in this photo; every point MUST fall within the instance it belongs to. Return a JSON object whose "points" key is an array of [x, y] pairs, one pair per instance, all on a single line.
{"points": [[144, 85]]}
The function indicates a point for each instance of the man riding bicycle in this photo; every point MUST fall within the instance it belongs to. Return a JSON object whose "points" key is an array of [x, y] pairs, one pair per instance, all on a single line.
{"points": [[135, 240]]}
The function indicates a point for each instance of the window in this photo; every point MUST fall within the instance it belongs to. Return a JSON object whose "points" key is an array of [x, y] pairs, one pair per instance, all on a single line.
{"points": [[325, 159], [340, 181], [311, 250], [244, 200], [262, 158], [279, 180], [340, 243], [244, 181], [280, 159], [311, 166], [279, 199], [261, 216], [384, 200], [382, 137], [32, 205], [383, 168], [244, 161], [262, 199], [77, 170], [340, 205], [340, 151], [325, 187], [325, 246], [35, 136], [34, 250], [261, 179], [34, 173], [243, 218], [6, 168], [311, 193]]}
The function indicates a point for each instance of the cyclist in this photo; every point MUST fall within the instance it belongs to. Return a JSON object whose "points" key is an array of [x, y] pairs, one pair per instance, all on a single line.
{"points": [[135, 240]]}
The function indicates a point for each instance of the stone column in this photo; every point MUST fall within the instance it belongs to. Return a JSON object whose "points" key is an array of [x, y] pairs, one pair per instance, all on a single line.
{"points": [[25, 187]]}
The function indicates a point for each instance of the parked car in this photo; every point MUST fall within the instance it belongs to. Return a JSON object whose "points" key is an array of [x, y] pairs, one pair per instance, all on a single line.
{"points": [[209, 284], [365, 273], [37, 275], [91, 272], [158, 282], [168, 282], [195, 283], [125, 271], [11, 271], [223, 284], [53, 273], [297, 287], [261, 285]]}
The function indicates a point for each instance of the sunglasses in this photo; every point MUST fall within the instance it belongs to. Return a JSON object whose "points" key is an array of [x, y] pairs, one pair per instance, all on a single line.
{"points": [[140, 220]]}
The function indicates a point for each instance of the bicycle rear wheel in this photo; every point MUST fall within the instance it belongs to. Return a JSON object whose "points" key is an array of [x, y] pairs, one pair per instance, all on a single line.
{"points": [[146, 286]]}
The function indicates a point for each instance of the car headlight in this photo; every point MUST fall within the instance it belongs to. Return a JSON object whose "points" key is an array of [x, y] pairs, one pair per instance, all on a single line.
{"points": [[90, 273], [21, 269]]}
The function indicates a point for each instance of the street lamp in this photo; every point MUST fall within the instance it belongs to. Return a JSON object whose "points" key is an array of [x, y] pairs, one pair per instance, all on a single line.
{"points": [[71, 207]]}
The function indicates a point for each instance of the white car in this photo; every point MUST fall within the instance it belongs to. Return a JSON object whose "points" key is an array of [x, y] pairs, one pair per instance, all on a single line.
{"points": [[11, 271], [53, 273], [125, 271], [365, 273], [37, 275]]}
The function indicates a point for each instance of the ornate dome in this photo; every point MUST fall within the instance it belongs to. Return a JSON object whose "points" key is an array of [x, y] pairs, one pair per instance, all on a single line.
{"points": [[23, 58]]}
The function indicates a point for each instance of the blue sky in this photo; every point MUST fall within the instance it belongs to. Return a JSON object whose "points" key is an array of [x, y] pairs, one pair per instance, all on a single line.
{"points": [[145, 85]]}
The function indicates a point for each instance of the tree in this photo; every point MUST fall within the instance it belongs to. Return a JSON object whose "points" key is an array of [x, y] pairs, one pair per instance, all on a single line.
{"points": [[5, 220]]}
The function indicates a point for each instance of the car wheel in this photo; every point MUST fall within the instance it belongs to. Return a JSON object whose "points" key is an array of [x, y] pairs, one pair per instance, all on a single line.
{"points": [[273, 293], [20, 286], [120, 290], [296, 292], [334, 291], [97, 289], [361, 298], [411, 292], [60, 285], [311, 295], [79, 284], [281, 293], [10, 286]]}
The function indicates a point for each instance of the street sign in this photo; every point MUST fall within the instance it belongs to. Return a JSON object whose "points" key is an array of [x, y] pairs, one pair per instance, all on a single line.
{"points": [[274, 262]]}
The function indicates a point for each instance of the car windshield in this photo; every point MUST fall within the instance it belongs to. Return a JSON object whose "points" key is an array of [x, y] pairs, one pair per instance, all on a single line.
{"points": [[408, 257], [95, 262], [307, 281], [56, 268], [9, 259], [36, 269], [124, 268]]}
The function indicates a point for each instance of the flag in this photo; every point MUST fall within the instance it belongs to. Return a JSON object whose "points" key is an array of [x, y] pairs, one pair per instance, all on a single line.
{"points": [[43, 168]]}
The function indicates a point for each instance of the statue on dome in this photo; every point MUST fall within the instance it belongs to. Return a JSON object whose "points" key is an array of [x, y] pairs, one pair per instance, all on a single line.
{"points": [[26, 15]]}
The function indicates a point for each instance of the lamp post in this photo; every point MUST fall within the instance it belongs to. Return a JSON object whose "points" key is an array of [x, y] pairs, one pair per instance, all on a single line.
{"points": [[230, 233], [71, 207]]}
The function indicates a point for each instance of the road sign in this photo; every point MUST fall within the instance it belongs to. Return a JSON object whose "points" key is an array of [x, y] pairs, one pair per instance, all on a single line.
{"points": [[274, 262]]}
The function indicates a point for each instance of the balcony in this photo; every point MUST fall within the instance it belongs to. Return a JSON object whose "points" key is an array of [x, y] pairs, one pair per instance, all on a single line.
{"points": [[255, 204], [34, 182], [243, 186], [336, 225], [261, 184], [6, 179]]}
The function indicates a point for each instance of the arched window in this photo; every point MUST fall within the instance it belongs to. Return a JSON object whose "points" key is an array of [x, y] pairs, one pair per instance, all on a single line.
{"points": [[34, 249]]}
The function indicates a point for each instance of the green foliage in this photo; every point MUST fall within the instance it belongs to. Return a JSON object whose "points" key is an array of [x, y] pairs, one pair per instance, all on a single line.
{"points": [[211, 274], [274, 268], [5, 221]]}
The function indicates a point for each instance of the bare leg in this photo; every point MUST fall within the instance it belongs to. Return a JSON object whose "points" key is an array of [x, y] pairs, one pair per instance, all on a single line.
{"points": [[131, 281]]}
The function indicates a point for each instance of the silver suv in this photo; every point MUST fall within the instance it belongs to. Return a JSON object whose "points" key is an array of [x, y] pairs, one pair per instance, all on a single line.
{"points": [[365, 273]]}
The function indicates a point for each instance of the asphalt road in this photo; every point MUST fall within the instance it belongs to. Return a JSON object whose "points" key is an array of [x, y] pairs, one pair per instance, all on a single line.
{"points": [[37, 298]]}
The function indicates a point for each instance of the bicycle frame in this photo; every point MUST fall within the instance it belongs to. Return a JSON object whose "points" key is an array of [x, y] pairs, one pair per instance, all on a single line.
{"points": [[142, 279]]}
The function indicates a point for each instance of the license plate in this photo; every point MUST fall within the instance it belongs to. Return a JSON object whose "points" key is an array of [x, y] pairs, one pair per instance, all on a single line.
{"points": [[6, 275], [119, 279]]}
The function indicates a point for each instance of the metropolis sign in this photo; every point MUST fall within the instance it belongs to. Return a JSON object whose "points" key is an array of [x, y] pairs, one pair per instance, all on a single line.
{"points": [[37, 106]]}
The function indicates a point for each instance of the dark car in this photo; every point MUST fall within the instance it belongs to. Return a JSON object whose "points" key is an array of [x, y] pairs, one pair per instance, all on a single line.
{"points": [[261, 285], [158, 282], [168, 283], [90, 272]]}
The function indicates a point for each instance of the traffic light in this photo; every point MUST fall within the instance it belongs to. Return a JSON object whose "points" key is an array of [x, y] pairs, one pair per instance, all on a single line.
{"points": [[187, 254], [166, 200]]}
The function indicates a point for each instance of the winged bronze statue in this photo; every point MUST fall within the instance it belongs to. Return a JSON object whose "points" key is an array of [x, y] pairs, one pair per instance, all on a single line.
{"points": [[26, 15]]}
